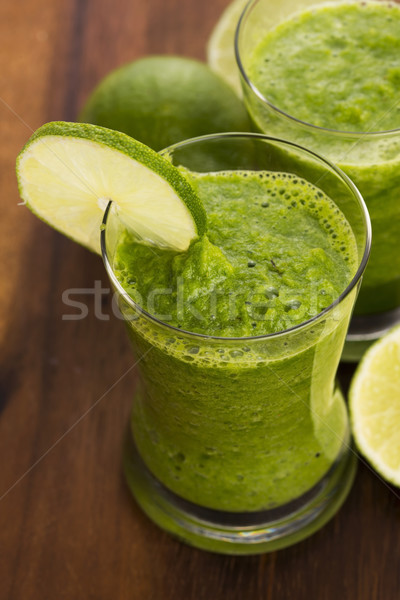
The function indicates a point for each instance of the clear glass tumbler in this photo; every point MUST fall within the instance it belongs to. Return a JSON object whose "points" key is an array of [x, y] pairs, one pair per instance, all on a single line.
{"points": [[371, 160], [241, 445]]}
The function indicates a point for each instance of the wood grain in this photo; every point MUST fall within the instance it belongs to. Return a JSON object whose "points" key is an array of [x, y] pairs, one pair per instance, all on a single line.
{"points": [[69, 529]]}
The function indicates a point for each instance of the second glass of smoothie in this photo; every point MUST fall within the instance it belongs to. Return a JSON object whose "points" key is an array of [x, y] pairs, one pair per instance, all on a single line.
{"points": [[239, 440], [326, 75]]}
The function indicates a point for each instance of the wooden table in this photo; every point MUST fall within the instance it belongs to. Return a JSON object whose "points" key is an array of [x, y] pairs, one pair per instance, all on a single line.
{"points": [[68, 526]]}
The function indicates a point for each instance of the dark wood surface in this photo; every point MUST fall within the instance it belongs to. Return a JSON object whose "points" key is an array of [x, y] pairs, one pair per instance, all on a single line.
{"points": [[68, 526]]}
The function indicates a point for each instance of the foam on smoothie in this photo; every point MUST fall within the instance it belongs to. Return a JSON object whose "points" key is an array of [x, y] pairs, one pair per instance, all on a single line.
{"points": [[352, 75], [278, 252]]}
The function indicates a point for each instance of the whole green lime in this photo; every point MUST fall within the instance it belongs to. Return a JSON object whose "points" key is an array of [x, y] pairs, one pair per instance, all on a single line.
{"points": [[160, 100]]}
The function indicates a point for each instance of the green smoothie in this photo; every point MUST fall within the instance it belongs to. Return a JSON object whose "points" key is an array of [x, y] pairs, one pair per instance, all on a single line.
{"points": [[337, 66], [251, 423]]}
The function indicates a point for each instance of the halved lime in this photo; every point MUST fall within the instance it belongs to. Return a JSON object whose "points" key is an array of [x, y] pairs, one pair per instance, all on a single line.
{"points": [[220, 47], [67, 173], [375, 406]]}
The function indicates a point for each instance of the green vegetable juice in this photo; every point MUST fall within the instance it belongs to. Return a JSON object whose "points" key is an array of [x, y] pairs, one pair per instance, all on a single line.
{"points": [[336, 66], [237, 422]]}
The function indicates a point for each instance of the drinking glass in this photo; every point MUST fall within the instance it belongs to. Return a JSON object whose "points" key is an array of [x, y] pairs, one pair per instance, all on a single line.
{"points": [[241, 445], [371, 160]]}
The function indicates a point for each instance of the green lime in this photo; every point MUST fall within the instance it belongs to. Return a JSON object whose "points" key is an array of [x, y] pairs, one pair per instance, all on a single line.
{"points": [[375, 406], [67, 173], [161, 100], [220, 48]]}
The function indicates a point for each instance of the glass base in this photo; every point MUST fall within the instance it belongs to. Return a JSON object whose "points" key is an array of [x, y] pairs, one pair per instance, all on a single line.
{"points": [[238, 533], [365, 330]]}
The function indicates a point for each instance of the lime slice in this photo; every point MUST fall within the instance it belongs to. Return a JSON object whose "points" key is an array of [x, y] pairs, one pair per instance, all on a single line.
{"points": [[220, 47], [375, 406], [67, 173]]}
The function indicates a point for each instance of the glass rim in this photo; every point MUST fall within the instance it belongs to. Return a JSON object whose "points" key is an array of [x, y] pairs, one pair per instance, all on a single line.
{"points": [[338, 132], [242, 135]]}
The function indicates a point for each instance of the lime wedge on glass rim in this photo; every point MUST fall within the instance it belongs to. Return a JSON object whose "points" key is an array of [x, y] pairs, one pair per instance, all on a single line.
{"points": [[374, 400], [68, 172]]}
